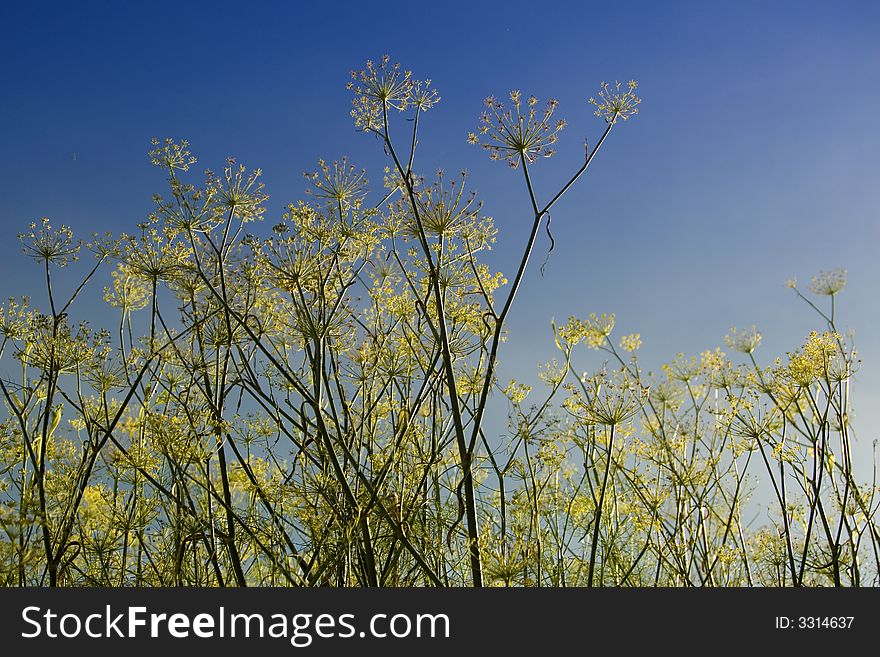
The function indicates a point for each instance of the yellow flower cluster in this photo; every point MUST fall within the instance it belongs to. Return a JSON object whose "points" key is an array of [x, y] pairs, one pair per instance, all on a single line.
{"points": [[814, 359], [520, 134], [614, 102], [631, 342]]}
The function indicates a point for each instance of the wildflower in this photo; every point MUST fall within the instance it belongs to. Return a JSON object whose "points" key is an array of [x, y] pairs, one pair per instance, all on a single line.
{"points": [[666, 395], [713, 361], [615, 103], [828, 283], [152, 256], [814, 359], [599, 328], [682, 369], [423, 96], [340, 185], [552, 373], [104, 373], [611, 400], [570, 334], [383, 86], [384, 272], [516, 391], [55, 347], [50, 245], [241, 194], [129, 292], [14, 319], [444, 208], [171, 155], [103, 245], [631, 342], [96, 507], [522, 133], [745, 341]]}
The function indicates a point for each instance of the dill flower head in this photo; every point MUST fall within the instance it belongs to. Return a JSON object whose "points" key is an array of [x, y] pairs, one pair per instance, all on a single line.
{"points": [[522, 132], [682, 369], [171, 155], [339, 185], [667, 395], [56, 345], [616, 102], [612, 399], [241, 193], [152, 256], [103, 372], [423, 96], [828, 283], [599, 328], [745, 341], [383, 86], [129, 292], [631, 342], [444, 207], [44, 243], [814, 359], [15, 318]]}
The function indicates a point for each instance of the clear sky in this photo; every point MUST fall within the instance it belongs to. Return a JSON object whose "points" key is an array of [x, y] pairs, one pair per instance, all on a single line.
{"points": [[754, 158]]}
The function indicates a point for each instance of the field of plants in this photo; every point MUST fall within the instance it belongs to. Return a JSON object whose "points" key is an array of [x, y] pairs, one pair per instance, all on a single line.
{"points": [[303, 400]]}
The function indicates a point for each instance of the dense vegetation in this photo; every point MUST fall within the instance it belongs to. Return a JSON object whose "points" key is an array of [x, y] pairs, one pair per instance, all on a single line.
{"points": [[307, 407]]}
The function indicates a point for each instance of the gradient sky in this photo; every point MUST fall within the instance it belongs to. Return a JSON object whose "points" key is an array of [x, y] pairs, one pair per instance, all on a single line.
{"points": [[754, 158]]}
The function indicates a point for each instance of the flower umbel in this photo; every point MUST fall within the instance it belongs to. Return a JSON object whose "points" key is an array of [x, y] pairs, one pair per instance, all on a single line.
{"points": [[50, 245], [814, 360], [615, 102], [611, 400], [378, 88], [444, 208], [241, 193], [171, 155], [828, 283], [631, 342], [744, 341], [521, 133], [423, 96], [338, 185]]}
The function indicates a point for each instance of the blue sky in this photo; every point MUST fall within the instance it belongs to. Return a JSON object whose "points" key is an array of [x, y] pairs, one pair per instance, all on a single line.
{"points": [[754, 158]]}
